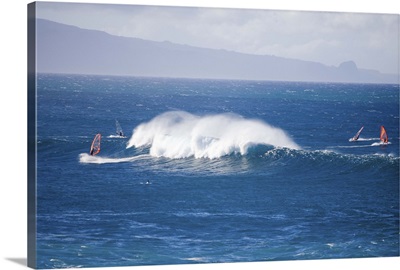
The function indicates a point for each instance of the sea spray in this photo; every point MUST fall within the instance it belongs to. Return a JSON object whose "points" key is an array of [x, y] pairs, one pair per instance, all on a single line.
{"points": [[178, 134]]}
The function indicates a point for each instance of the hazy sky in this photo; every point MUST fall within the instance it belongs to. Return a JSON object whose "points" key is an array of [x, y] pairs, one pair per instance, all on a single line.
{"points": [[371, 40]]}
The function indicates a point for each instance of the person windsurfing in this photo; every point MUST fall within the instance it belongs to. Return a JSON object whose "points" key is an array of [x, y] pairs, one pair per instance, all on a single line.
{"points": [[384, 137], [95, 147], [119, 131], [355, 138]]}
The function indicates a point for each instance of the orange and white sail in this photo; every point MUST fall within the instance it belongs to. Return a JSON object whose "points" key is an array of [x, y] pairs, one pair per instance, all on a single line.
{"points": [[95, 147], [384, 137]]}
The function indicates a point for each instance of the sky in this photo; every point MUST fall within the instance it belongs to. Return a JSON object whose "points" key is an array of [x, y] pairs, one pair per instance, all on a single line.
{"points": [[370, 40]]}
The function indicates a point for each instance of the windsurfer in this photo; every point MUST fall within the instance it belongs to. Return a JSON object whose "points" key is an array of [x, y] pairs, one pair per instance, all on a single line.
{"points": [[384, 137], [95, 147], [355, 138], [119, 131]]}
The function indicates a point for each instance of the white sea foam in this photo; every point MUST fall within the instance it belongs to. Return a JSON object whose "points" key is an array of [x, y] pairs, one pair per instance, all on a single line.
{"points": [[116, 137], [178, 134], [367, 139], [86, 158]]}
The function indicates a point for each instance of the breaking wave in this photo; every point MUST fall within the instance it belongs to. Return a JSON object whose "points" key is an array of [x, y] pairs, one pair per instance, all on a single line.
{"points": [[178, 134]]}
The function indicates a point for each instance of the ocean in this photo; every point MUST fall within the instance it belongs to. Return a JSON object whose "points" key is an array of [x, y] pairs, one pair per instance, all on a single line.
{"points": [[214, 171]]}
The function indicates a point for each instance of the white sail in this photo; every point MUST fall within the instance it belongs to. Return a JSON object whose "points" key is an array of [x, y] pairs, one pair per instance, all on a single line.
{"points": [[119, 130], [355, 138]]}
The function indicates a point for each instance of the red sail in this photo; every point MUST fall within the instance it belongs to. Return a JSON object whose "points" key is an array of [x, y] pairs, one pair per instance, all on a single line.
{"points": [[95, 148], [384, 137]]}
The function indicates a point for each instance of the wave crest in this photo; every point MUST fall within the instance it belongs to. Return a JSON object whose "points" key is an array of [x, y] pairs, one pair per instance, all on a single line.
{"points": [[178, 134]]}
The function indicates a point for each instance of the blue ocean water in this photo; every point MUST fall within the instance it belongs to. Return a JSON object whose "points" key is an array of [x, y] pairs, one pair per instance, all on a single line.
{"points": [[214, 171]]}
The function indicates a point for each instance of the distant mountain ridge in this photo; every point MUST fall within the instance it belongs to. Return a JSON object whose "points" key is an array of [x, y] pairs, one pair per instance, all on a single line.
{"points": [[68, 49]]}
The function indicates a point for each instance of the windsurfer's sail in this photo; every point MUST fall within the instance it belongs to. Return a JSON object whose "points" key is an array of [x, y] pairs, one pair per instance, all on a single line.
{"points": [[119, 131], [355, 138], [95, 148], [384, 137]]}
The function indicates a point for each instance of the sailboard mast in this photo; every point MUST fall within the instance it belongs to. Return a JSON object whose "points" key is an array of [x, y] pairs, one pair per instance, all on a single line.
{"points": [[384, 137], [95, 147]]}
